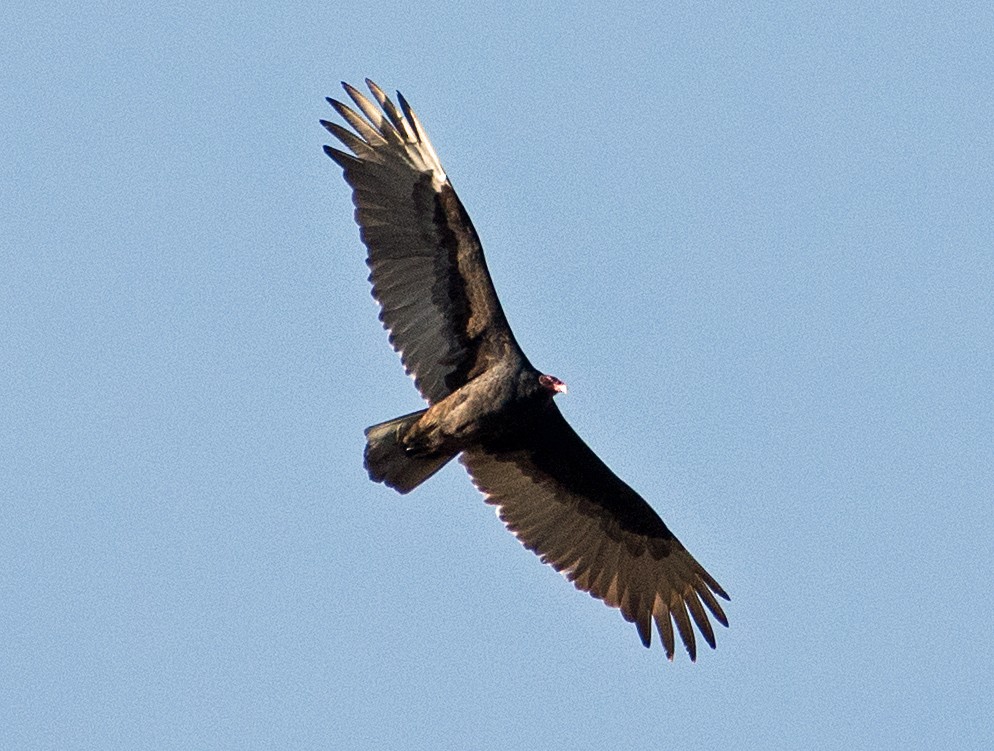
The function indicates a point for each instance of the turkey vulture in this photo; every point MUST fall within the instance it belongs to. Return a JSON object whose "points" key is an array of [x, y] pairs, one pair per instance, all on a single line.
{"points": [[487, 403]]}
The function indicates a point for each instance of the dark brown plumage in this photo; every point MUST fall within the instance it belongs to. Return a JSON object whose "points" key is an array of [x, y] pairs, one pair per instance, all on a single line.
{"points": [[486, 401]]}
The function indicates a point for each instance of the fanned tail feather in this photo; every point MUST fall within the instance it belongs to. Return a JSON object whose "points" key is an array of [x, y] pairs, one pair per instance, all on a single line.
{"points": [[388, 461]]}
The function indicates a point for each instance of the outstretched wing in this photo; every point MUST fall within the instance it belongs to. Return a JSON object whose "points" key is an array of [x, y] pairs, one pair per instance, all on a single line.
{"points": [[563, 503], [426, 262]]}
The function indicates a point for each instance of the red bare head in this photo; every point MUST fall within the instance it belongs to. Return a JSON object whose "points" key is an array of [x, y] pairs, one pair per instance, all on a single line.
{"points": [[553, 384]]}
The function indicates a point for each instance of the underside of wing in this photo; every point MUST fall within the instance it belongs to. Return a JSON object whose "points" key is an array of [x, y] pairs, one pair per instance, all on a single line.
{"points": [[426, 262], [563, 503]]}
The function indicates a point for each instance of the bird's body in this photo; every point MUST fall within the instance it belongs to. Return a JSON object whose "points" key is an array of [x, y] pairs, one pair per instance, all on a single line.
{"points": [[491, 407], [487, 403]]}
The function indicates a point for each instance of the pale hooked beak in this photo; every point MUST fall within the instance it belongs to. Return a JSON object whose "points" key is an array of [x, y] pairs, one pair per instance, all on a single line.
{"points": [[553, 384]]}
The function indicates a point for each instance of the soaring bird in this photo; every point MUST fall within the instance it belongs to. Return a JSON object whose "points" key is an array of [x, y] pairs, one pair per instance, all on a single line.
{"points": [[487, 404]]}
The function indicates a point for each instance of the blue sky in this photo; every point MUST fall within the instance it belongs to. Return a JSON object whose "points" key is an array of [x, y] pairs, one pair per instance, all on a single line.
{"points": [[757, 244]]}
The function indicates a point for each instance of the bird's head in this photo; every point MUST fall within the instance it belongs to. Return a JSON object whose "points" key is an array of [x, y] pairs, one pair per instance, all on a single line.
{"points": [[552, 384]]}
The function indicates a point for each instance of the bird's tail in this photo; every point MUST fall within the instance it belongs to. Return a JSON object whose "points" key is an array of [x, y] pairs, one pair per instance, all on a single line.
{"points": [[388, 461]]}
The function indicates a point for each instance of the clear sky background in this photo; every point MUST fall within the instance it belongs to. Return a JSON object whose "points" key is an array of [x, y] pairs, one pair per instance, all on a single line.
{"points": [[756, 242]]}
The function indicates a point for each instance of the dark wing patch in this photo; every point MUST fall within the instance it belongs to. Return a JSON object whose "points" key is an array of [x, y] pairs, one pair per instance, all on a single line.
{"points": [[426, 262], [563, 503]]}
